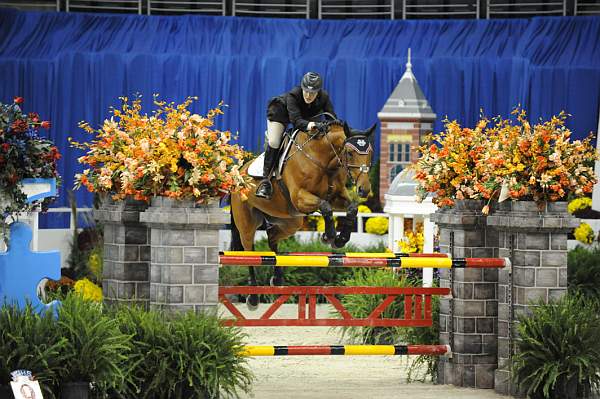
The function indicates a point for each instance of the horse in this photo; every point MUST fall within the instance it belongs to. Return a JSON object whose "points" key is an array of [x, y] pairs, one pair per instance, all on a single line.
{"points": [[313, 179]]}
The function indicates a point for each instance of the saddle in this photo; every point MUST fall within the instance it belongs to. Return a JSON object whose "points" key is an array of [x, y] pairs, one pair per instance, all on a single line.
{"points": [[256, 167]]}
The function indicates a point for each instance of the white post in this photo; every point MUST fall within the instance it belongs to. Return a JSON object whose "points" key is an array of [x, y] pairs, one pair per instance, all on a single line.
{"points": [[398, 232], [428, 230], [596, 192], [391, 232]]}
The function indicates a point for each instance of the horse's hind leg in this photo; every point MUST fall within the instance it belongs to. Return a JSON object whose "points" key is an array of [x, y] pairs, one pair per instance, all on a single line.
{"points": [[277, 233], [247, 222]]}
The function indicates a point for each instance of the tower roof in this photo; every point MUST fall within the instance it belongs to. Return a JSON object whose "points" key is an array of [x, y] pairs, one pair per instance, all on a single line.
{"points": [[407, 99]]}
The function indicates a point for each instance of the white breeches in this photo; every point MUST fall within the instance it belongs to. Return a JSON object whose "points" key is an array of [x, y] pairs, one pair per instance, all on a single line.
{"points": [[274, 133]]}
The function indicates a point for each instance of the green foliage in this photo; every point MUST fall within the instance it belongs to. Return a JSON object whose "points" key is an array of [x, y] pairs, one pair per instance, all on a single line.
{"points": [[584, 271], [95, 349], [559, 349], [361, 306], [86, 247], [124, 352], [181, 357], [30, 341]]}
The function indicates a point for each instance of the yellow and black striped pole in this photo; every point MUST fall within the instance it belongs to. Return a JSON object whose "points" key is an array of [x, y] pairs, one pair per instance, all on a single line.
{"points": [[346, 350], [242, 258]]}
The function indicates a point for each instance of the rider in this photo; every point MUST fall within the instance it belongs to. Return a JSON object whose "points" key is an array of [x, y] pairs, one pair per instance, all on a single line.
{"points": [[297, 106]]}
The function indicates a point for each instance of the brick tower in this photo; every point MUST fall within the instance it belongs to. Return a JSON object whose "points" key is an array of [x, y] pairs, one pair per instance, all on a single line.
{"points": [[405, 118]]}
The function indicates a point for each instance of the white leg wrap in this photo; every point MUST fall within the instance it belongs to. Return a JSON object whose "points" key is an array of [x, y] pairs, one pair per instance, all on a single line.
{"points": [[274, 132]]}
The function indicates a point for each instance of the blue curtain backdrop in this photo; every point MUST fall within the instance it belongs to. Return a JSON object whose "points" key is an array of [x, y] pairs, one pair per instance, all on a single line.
{"points": [[73, 67]]}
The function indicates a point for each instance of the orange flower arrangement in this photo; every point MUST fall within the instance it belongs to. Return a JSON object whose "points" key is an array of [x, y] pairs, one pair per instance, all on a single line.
{"points": [[503, 159], [171, 153]]}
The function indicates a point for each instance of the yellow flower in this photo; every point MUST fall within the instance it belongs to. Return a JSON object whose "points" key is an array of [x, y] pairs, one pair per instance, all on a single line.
{"points": [[88, 290], [377, 225], [584, 233], [579, 204], [363, 209]]}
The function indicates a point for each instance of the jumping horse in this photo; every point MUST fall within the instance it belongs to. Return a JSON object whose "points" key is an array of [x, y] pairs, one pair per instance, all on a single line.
{"points": [[314, 178]]}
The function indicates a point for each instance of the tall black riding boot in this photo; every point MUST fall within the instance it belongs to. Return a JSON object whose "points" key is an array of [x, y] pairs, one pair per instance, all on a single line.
{"points": [[265, 189]]}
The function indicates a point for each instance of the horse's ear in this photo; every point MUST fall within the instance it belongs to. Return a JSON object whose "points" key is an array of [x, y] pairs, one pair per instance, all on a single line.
{"points": [[347, 130], [369, 132]]}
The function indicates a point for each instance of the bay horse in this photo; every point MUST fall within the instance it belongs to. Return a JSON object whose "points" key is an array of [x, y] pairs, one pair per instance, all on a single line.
{"points": [[313, 179]]}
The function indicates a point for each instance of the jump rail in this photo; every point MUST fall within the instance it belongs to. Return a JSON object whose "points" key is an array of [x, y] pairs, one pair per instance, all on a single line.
{"points": [[346, 350], [241, 258]]}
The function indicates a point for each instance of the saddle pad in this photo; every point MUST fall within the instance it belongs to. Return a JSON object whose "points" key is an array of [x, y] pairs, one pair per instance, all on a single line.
{"points": [[256, 167]]}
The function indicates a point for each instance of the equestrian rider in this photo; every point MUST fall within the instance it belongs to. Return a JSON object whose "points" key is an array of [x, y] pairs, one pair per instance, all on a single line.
{"points": [[297, 106]]}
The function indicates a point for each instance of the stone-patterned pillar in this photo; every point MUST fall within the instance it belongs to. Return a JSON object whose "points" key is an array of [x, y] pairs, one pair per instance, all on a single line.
{"points": [[536, 241], [468, 319], [126, 271], [184, 268]]}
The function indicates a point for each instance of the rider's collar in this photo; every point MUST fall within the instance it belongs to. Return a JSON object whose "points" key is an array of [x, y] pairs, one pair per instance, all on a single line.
{"points": [[360, 144]]}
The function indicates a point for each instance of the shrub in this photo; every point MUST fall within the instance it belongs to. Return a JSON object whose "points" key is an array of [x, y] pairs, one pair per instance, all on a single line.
{"points": [[584, 271], [181, 357], [360, 306], [559, 351], [31, 341], [95, 350]]}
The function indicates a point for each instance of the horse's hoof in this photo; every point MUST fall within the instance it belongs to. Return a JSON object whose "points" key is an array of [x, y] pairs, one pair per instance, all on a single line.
{"points": [[252, 302], [325, 239]]}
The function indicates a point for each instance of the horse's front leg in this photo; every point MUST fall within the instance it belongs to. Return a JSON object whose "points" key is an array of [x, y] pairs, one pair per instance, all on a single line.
{"points": [[347, 225], [307, 203]]}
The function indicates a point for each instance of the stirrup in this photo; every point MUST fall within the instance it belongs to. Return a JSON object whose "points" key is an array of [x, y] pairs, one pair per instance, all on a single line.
{"points": [[264, 190]]}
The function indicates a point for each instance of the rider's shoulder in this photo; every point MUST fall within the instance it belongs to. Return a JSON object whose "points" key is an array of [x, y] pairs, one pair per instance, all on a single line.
{"points": [[296, 92]]}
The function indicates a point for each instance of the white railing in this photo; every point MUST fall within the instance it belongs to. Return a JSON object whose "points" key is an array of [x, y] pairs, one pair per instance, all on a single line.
{"points": [[50, 5], [133, 6], [522, 8], [215, 7], [282, 8], [457, 9], [587, 7], [357, 8], [336, 9]]}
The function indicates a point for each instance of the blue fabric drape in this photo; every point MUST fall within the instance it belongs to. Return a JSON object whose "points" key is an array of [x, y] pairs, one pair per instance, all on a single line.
{"points": [[72, 67]]}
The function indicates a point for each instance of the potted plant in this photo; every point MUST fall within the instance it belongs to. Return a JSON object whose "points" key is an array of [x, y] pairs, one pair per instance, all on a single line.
{"points": [[24, 154], [95, 350], [30, 340], [506, 159], [559, 355]]}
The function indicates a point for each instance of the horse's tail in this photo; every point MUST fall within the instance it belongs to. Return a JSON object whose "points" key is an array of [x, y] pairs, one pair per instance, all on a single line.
{"points": [[236, 241]]}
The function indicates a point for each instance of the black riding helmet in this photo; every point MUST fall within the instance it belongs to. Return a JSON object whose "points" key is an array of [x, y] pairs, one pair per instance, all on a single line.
{"points": [[311, 82]]}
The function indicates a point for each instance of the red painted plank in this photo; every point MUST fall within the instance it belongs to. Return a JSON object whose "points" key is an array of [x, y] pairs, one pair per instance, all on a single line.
{"points": [[231, 307], [273, 308], [418, 307], [428, 307], [381, 307], [327, 323], [313, 290], [338, 305], [312, 307], [408, 315], [301, 306]]}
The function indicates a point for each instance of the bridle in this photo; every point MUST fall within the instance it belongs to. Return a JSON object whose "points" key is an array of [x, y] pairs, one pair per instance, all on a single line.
{"points": [[349, 145]]}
